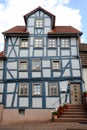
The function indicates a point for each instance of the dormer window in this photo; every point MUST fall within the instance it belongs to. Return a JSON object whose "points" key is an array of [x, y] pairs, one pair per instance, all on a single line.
{"points": [[39, 23]]}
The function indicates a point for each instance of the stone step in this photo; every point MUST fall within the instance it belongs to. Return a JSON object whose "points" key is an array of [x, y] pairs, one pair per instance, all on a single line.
{"points": [[75, 110], [75, 113], [74, 116], [71, 120]]}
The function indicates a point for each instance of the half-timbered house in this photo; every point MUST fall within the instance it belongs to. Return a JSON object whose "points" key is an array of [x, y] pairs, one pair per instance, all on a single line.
{"points": [[43, 68]]}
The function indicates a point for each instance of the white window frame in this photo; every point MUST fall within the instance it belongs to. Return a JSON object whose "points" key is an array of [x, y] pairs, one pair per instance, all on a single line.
{"points": [[23, 65], [23, 89], [51, 43], [36, 64], [55, 64], [39, 23], [65, 43], [38, 43], [24, 43], [36, 89], [53, 89]]}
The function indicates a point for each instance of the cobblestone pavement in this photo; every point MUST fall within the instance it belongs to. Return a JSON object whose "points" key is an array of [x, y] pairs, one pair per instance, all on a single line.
{"points": [[42, 126]]}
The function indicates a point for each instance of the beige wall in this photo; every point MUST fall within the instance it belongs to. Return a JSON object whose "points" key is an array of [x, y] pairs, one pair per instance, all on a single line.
{"points": [[85, 77], [12, 115]]}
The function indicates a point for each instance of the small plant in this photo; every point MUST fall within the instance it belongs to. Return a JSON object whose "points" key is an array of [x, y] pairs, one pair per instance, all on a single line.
{"points": [[85, 93], [54, 112]]}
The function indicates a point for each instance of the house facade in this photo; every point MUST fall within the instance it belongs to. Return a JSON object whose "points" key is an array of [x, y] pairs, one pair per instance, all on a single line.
{"points": [[42, 68]]}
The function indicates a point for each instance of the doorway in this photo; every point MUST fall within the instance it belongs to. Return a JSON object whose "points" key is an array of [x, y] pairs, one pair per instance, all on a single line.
{"points": [[75, 93]]}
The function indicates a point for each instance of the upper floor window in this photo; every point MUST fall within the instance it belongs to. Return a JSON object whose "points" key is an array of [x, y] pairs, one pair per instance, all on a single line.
{"points": [[23, 65], [53, 89], [39, 23], [24, 43], [64, 42], [37, 89], [38, 43], [36, 65], [23, 89], [51, 43], [55, 65]]}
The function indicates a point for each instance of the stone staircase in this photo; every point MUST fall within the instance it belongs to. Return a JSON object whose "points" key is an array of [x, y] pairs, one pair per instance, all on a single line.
{"points": [[74, 113]]}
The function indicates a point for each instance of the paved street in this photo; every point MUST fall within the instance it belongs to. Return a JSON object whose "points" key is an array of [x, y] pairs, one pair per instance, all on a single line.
{"points": [[42, 126]]}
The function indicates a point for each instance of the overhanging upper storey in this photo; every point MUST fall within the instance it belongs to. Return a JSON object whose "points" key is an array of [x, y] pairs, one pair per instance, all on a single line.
{"points": [[39, 15]]}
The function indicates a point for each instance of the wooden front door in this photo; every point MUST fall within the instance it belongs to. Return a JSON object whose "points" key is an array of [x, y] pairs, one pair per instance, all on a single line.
{"points": [[75, 93]]}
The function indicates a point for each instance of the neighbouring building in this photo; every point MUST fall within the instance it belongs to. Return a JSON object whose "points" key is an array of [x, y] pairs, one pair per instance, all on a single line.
{"points": [[83, 56], [42, 68]]}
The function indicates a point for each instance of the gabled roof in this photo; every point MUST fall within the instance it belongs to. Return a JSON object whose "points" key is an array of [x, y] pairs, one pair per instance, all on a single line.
{"points": [[43, 10], [64, 30], [83, 54], [59, 30], [21, 30]]}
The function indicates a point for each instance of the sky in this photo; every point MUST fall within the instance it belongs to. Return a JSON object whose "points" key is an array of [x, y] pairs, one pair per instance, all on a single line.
{"points": [[67, 12]]}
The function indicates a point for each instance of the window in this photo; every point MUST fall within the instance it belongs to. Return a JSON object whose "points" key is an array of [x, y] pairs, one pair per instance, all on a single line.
{"points": [[36, 65], [55, 65], [21, 111], [51, 43], [39, 23], [65, 43], [53, 89], [24, 43], [23, 89], [38, 43], [37, 89], [23, 65]]}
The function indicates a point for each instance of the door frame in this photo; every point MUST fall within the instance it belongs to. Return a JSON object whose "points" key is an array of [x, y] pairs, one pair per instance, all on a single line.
{"points": [[71, 83]]}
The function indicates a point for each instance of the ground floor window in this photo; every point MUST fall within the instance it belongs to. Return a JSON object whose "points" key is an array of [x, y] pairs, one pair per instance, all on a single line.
{"points": [[53, 89], [23, 89], [21, 111], [36, 89]]}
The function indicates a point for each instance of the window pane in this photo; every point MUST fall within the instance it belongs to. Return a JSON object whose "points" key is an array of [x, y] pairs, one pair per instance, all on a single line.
{"points": [[38, 42], [39, 23], [65, 43], [52, 43], [56, 65], [36, 65], [53, 89], [37, 89], [22, 65], [23, 89], [24, 43]]}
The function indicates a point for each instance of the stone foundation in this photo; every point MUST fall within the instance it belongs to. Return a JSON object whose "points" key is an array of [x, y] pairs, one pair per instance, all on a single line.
{"points": [[12, 115]]}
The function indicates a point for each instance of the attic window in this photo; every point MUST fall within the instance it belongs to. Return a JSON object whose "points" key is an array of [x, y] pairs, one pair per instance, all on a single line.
{"points": [[39, 23]]}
